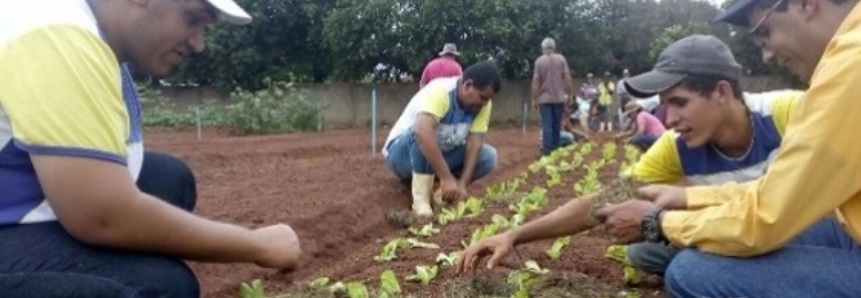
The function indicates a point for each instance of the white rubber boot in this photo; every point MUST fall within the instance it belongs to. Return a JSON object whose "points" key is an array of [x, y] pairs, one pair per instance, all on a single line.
{"points": [[422, 188]]}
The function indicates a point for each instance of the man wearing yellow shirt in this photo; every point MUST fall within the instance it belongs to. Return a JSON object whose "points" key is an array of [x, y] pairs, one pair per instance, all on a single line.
{"points": [[606, 88], [722, 135], [744, 236]]}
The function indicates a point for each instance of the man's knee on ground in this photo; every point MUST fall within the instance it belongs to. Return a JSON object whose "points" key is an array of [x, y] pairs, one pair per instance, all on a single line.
{"points": [[650, 257], [683, 272], [489, 157]]}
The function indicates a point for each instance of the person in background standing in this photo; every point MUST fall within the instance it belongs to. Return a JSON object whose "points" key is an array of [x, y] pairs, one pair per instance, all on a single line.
{"points": [[605, 102], [589, 92], [444, 66], [622, 98], [551, 90]]}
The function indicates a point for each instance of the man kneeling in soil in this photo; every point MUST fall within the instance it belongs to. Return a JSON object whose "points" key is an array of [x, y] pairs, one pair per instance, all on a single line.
{"points": [[645, 128], [717, 138], [441, 133]]}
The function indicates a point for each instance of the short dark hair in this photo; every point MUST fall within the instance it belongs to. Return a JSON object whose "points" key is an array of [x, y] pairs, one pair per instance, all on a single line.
{"points": [[706, 84], [484, 74]]}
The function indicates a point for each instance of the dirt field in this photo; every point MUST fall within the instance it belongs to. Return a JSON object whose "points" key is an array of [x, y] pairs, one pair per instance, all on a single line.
{"points": [[336, 195]]}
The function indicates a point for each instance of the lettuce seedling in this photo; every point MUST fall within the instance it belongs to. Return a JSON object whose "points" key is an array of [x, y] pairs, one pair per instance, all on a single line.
{"points": [[424, 274]]}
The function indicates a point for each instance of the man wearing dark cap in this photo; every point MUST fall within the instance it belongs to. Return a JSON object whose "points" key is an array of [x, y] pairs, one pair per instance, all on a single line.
{"points": [[720, 138], [794, 232]]}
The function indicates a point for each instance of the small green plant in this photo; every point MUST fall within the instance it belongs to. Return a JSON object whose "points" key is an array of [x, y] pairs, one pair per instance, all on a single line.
{"points": [[424, 274], [555, 249]]}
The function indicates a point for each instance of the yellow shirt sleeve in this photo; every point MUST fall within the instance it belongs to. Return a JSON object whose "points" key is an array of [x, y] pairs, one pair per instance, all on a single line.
{"points": [[814, 173], [482, 120], [783, 109], [437, 103], [61, 91], [660, 164]]}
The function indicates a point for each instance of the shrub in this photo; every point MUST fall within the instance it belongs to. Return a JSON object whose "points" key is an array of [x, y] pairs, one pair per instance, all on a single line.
{"points": [[279, 108]]}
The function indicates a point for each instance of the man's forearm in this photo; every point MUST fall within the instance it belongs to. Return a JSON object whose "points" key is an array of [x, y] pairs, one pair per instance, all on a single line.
{"points": [[473, 147], [151, 224], [430, 149], [572, 218]]}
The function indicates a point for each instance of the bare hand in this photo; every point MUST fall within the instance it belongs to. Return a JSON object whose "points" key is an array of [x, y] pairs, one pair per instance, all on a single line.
{"points": [[624, 221], [499, 246], [667, 196], [452, 190], [281, 249]]}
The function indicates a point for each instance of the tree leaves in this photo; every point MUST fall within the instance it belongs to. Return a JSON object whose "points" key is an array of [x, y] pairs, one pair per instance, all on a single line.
{"points": [[320, 40]]}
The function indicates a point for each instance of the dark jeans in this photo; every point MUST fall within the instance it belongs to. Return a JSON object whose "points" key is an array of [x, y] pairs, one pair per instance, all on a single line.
{"points": [[43, 260], [643, 141], [551, 126], [405, 158]]}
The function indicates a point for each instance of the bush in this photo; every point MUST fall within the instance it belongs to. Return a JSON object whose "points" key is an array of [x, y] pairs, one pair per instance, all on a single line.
{"points": [[162, 113], [280, 108]]}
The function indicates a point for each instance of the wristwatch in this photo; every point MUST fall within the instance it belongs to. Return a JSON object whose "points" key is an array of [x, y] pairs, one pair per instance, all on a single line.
{"points": [[651, 225]]}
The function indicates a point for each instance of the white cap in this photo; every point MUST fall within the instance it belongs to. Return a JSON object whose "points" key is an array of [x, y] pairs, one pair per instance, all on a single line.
{"points": [[231, 11]]}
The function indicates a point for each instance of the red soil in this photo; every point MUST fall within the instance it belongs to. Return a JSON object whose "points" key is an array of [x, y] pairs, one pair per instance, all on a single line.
{"points": [[336, 195]]}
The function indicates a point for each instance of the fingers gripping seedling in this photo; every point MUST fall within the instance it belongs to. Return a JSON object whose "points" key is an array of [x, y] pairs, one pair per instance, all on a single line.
{"points": [[618, 191]]}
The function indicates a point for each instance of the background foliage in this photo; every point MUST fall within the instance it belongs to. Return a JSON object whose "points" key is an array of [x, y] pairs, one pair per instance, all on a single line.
{"points": [[343, 40]]}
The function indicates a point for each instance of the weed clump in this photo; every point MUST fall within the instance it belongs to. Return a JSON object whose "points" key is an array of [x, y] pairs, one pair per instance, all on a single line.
{"points": [[480, 285], [405, 219], [568, 286], [618, 191]]}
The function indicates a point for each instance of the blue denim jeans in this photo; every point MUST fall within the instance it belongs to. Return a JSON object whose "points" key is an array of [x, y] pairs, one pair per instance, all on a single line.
{"points": [[405, 157], [824, 261], [643, 141], [551, 126], [43, 260]]}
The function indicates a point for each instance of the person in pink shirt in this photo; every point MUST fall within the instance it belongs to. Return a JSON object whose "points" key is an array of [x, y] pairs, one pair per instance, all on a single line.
{"points": [[645, 128], [444, 66]]}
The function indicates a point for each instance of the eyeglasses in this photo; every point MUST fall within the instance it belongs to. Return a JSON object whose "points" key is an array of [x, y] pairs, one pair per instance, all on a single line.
{"points": [[757, 34]]}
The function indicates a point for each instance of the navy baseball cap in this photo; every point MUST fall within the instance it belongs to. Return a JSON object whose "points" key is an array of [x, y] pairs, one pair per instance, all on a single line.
{"points": [[736, 14]]}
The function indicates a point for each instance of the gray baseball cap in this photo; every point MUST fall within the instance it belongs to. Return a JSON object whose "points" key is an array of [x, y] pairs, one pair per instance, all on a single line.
{"points": [[692, 55]]}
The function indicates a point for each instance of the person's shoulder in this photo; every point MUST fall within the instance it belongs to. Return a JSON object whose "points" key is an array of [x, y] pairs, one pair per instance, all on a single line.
{"points": [[766, 102], [21, 16], [432, 62], [439, 87]]}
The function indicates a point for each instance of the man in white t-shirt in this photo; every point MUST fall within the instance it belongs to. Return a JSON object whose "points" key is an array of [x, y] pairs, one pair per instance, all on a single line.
{"points": [[441, 134]]}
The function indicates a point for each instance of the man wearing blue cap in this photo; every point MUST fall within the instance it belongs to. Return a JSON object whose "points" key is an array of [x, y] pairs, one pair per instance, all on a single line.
{"points": [[795, 231]]}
